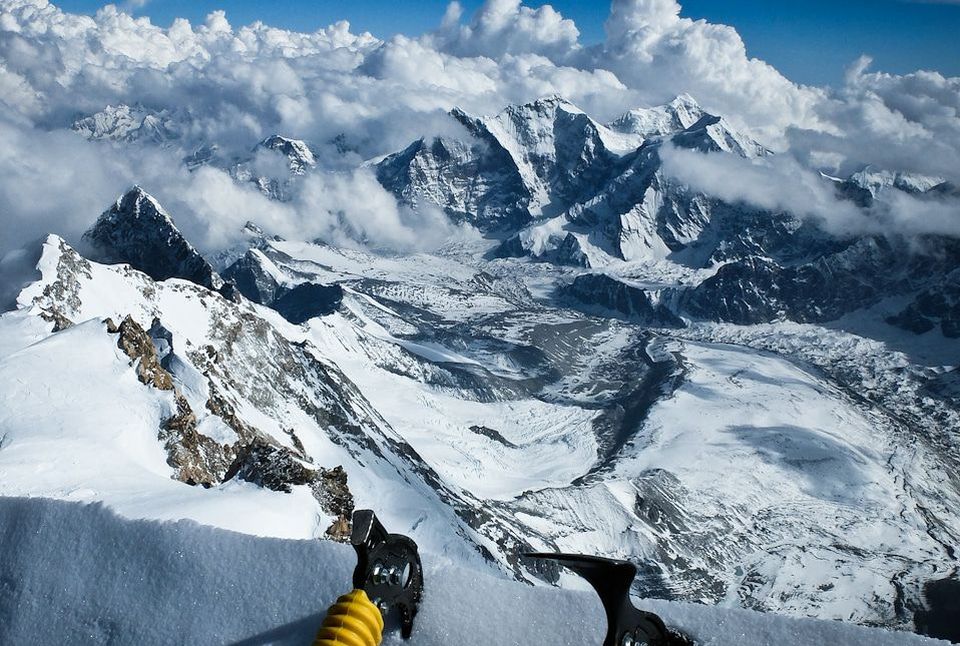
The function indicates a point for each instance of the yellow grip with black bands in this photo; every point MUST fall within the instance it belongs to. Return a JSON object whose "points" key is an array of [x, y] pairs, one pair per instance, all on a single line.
{"points": [[352, 621]]}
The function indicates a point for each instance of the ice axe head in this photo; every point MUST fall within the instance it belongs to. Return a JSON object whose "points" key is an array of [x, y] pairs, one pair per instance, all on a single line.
{"points": [[626, 625], [388, 568]]}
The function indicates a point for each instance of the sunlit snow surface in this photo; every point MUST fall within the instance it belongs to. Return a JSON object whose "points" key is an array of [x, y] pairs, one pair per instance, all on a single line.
{"points": [[80, 574], [728, 474]]}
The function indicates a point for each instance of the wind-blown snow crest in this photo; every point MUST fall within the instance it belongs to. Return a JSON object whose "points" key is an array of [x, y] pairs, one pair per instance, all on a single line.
{"points": [[245, 590]]}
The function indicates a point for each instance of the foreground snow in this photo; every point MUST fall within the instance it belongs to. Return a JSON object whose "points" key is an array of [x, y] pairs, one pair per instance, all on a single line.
{"points": [[80, 573]]}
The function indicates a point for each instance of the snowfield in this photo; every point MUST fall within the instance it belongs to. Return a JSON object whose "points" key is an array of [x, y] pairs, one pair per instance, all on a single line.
{"points": [[76, 573], [731, 476]]}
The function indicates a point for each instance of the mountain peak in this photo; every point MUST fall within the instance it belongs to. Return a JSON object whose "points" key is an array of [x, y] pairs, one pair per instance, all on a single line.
{"points": [[130, 124], [297, 151], [137, 230], [548, 103], [711, 133], [658, 121], [685, 100]]}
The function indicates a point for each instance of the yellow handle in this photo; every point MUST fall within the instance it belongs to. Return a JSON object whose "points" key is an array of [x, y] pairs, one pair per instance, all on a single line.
{"points": [[352, 621]]}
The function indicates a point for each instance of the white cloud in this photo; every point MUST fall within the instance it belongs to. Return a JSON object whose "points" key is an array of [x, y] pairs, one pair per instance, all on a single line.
{"points": [[507, 27], [908, 123], [239, 84], [781, 184], [131, 6]]}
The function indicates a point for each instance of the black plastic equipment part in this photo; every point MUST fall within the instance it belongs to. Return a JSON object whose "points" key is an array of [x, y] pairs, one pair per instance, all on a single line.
{"points": [[626, 625], [388, 568]]}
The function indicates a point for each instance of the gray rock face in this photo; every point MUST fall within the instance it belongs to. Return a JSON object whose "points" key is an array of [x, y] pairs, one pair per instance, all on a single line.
{"points": [[625, 207], [933, 307], [297, 304], [759, 290], [307, 300], [252, 280], [297, 152], [276, 183], [526, 161], [137, 231], [472, 182], [627, 301]]}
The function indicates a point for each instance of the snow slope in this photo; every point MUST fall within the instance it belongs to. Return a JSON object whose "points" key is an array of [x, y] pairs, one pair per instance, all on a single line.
{"points": [[72, 573], [751, 480], [78, 425]]}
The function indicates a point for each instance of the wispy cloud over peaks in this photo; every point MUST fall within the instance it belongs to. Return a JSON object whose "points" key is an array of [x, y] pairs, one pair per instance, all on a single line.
{"points": [[239, 84]]}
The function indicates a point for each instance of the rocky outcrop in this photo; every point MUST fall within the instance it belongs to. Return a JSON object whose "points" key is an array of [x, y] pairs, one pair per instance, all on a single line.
{"points": [[299, 156], [252, 279], [201, 460], [277, 183], [307, 300], [470, 181], [195, 458], [137, 344], [937, 306], [297, 304], [757, 289], [278, 468], [609, 295], [137, 231]]}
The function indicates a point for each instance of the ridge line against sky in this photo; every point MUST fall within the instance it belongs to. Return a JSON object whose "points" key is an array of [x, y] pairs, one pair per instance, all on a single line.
{"points": [[811, 42]]}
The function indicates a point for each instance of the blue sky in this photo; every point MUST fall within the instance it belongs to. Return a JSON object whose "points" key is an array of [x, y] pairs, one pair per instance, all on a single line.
{"points": [[810, 41]]}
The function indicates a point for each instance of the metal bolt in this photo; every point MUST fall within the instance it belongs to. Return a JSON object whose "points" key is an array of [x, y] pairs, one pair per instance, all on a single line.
{"points": [[395, 576], [378, 574]]}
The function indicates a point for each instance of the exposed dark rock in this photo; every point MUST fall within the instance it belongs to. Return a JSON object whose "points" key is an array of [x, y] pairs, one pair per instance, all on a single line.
{"points": [[195, 458], [230, 292], [252, 280], [331, 490], [297, 152], [476, 182], [308, 300], [137, 231], [759, 290], [602, 292], [277, 468], [270, 466], [296, 304], [340, 530], [163, 342], [494, 435], [941, 619], [937, 305], [60, 322], [138, 345]]}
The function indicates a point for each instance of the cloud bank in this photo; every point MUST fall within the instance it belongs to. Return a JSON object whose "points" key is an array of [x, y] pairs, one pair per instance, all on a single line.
{"points": [[238, 84]]}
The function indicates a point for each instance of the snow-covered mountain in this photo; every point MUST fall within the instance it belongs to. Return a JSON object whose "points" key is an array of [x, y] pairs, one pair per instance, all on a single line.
{"points": [[563, 187], [758, 413], [285, 160], [131, 124], [136, 230]]}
